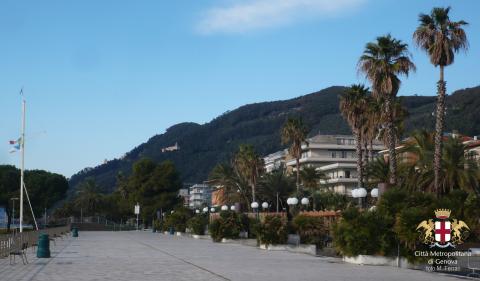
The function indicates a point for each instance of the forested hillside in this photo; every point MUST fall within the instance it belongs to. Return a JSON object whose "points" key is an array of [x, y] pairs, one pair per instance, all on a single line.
{"points": [[202, 146]]}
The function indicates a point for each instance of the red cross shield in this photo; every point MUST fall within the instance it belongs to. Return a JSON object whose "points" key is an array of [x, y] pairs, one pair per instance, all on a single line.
{"points": [[442, 231]]}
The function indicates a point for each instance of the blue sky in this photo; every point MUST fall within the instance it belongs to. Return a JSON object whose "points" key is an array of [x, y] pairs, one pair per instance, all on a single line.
{"points": [[101, 77]]}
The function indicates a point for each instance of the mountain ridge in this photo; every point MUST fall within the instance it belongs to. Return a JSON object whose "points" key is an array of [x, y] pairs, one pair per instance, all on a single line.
{"points": [[204, 145]]}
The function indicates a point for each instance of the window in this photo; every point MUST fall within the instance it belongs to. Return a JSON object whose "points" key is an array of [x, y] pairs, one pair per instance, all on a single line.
{"points": [[344, 154], [351, 141], [334, 154], [347, 174]]}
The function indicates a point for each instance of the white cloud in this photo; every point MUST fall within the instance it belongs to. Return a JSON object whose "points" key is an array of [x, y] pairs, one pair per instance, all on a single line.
{"points": [[246, 15]]}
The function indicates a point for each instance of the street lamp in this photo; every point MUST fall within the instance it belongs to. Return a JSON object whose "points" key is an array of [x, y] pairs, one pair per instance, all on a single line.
{"points": [[374, 193], [359, 193], [197, 211], [305, 202], [292, 201], [224, 208], [212, 210], [265, 206], [254, 206], [205, 210], [232, 208]]}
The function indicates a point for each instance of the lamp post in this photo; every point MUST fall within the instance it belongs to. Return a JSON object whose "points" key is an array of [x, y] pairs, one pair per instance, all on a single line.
{"points": [[224, 208], [265, 206], [305, 201], [360, 193], [254, 206], [232, 208], [292, 202]]}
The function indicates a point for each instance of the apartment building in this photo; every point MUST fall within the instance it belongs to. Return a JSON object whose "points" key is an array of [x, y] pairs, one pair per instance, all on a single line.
{"points": [[200, 196], [335, 155]]}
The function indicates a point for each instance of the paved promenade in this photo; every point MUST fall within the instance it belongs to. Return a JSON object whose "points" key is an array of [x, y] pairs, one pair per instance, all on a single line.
{"points": [[138, 256]]}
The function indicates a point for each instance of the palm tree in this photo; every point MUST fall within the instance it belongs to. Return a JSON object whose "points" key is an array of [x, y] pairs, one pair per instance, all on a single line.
{"points": [[294, 132], [382, 62], [311, 177], [441, 38], [460, 171], [249, 165], [89, 197], [276, 185], [353, 106], [235, 187]]}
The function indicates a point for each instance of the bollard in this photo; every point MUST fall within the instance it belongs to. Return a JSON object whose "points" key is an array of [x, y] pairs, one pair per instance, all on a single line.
{"points": [[43, 249], [74, 232]]}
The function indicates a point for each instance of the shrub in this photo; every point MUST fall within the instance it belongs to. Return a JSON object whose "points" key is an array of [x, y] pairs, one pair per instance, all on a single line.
{"points": [[228, 226], [272, 231], [197, 224], [310, 229], [363, 233], [178, 220]]}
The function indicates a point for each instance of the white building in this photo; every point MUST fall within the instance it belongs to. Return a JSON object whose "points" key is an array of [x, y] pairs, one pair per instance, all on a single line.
{"points": [[200, 196], [275, 160], [335, 155]]}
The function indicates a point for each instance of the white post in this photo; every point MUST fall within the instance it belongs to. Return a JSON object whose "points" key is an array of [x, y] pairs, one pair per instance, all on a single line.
{"points": [[22, 146]]}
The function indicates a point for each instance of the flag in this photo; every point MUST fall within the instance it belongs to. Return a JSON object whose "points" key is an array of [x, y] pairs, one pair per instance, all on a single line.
{"points": [[15, 145]]}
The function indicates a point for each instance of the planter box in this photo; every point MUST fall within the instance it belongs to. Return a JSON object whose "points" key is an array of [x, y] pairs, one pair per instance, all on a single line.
{"points": [[196, 236], [273, 247], [303, 249], [166, 232], [380, 260], [179, 233], [293, 239]]}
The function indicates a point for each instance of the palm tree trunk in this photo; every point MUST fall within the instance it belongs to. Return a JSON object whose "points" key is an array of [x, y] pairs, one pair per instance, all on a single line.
{"points": [[392, 157], [439, 126], [253, 192], [370, 150], [358, 148], [298, 175]]}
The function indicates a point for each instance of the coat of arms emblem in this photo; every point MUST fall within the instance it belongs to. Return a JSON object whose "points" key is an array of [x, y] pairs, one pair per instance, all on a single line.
{"points": [[443, 232]]}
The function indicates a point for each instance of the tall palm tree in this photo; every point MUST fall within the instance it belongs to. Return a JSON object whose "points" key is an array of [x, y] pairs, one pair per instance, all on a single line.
{"points": [[294, 132], [249, 164], [382, 62], [353, 106], [441, 38]]}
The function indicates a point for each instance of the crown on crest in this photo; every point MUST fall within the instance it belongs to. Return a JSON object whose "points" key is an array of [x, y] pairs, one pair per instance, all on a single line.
{"points": [[442, 213]]}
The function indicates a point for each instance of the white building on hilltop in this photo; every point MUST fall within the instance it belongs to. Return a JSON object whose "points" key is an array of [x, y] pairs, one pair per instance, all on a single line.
{"points": [[335, 155]]}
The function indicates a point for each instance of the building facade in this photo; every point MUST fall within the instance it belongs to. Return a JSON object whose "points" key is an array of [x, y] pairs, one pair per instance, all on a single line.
{"points": [[275, 160], [334, 155], [200, 195]]}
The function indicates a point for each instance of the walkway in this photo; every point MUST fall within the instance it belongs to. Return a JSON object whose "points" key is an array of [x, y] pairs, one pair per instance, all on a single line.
{"points": [[138, 256]]}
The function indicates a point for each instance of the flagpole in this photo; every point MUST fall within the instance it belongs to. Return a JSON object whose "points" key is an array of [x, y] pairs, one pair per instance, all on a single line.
{"points": [[22, 145]]}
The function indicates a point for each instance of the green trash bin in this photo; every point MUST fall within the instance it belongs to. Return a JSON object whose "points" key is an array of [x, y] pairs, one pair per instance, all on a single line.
{"points": [[43, 249], [74, 232]]}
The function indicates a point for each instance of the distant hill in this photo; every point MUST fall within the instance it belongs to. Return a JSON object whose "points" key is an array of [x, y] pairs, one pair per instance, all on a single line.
{"points": [[203, 146]]}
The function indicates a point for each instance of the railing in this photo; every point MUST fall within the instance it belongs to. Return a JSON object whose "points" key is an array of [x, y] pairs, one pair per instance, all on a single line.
{"points": [[9, 242], [98, 223]]}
